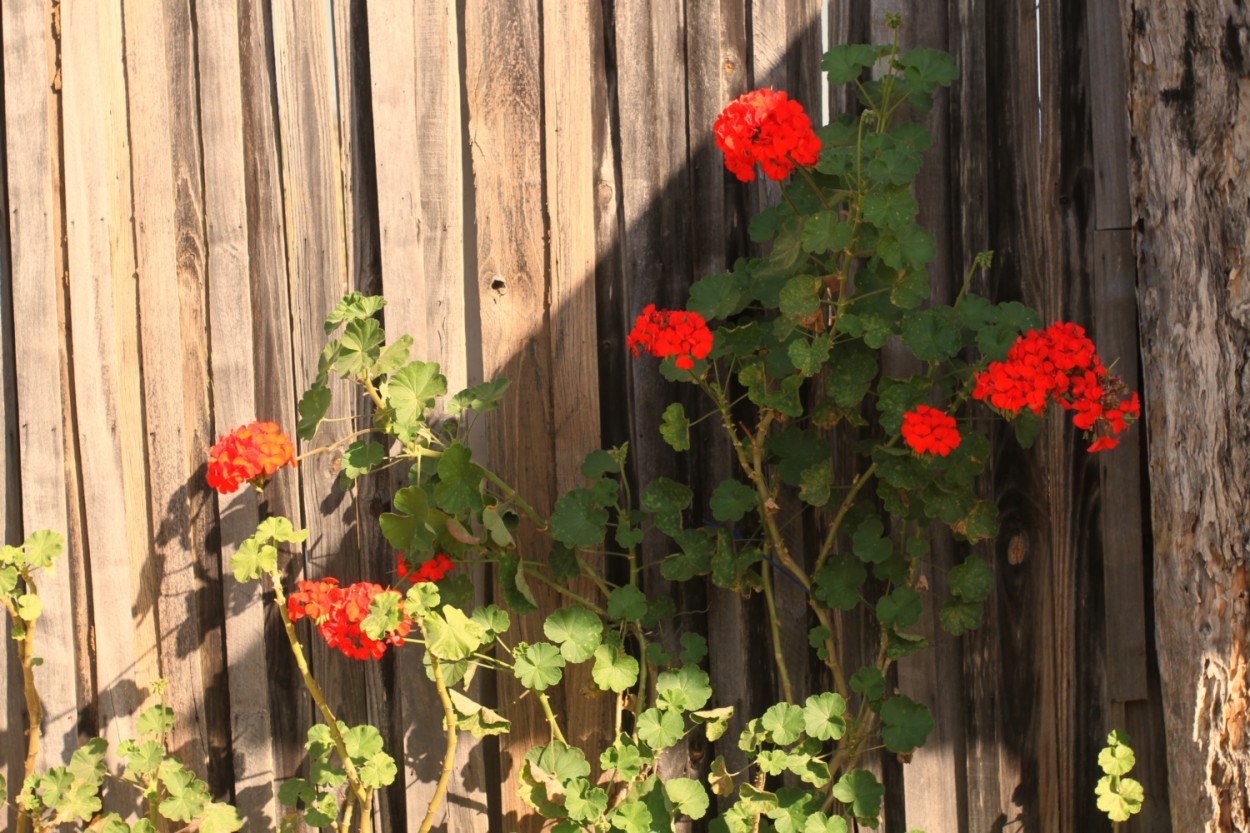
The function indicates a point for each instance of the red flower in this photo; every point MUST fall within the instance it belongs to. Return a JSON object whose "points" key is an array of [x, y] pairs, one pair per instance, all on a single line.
{"points": [[671, 333], [338, 612], [766, 127], [1060, 365], [249, 454], [930, 431], [431, 570]]}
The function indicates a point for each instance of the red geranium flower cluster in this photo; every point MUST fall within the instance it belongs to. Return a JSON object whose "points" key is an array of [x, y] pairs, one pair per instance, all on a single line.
{"points": [[338, 612], [671, 333], [250, 454], [930, 431], [1059, 364], [765, 126], [432, 570]]}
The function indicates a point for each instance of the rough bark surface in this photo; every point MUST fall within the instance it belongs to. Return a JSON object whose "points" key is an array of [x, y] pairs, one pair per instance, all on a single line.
{"points": [[1189, 105]]}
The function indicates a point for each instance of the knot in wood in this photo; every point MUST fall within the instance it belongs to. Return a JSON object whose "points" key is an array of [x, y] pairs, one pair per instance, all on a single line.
{"points": [[498, 284]]}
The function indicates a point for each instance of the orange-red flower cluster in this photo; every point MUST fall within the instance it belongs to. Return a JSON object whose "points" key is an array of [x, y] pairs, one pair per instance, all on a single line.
{"points": [[1059, 364], [671, 333], [765, 126], [249, 454], [930, 431], [432, 570], [338, 612]]}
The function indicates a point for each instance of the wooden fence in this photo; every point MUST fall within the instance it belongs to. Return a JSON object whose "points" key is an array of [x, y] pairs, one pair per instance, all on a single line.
{"points": [[190, 187]]}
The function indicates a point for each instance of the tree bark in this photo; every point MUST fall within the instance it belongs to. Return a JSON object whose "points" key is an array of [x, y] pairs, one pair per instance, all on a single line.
{"points": [[1189, 109]]}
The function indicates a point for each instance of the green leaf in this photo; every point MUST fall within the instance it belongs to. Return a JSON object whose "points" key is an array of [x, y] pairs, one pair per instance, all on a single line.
{"points": [[481, 398], [452, 636], [562, 561], [809, 357], [980, 524], [928, 68], [868, 682], [1116, 758], [353, 306], [820, 823], [8, 580], [252, 559], [795, 450], [359, 348], [823, 716], [900, 608], [42, 547], [720, 296], [693, 648], [666, 499], [792, 810], [783, 722], [816, 484], [631, 816], [496, 524], [688, 797], [932, 335], [459, 487], [360, 458], [801, 296], [312, 409], [157, 721], [1119, 798], [675, 427], [538, 666], [576, 630], [476, 719], [584, 802], [892, 207], [846, 62], [897, 396], [614, 670], [732, 500], [393, 357], [516, 590], [624, 757], [280, 530], [715, 721], [824, 232], [385, 614], [29, 607], [685, 689], [972, 580], [412, 389], [695, 558], [579, 519], [627, 602], [220, 818], [852, 369], [660, 729], [958, 616], [905, 724], [860, 790], [869, 542]]}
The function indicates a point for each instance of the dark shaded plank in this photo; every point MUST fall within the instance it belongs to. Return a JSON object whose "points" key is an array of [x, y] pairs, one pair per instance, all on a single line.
{"points": [[1108, 92], [230, 326]]}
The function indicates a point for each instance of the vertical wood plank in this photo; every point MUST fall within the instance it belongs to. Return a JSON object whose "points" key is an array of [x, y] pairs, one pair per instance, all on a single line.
{"points": [[1108, 93], [570, 164], [290, 707], [35, 479], [230, 327], [503, 80], [105, 360], [165, 165], [317, 274]]}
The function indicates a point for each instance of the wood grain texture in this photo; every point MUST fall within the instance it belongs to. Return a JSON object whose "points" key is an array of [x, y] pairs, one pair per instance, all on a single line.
{"points": [[105, 361], [35, 473], [233, 391], [170, 256], [313, 199], [505, 110], [290, 707], [1188, 101]]}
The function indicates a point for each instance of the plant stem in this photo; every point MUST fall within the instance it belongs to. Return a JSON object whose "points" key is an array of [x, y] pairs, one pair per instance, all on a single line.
{"points": [[34, 706], [774, 627], [551, 718], [366, 812], [449, 754], [514, 498], [564, 591], [297, 650]]}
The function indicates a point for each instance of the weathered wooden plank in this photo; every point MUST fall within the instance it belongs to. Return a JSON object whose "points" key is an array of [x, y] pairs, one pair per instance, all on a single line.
{"points": [[570, 164], [504, 84], [105, 360], [36, 471], [317, 273], [1108, 92], [1123, 546], [276, 393], [230, 326], [165, 165]]}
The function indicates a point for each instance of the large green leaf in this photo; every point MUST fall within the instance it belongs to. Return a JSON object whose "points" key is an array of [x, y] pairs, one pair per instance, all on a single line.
{"points": [[412, 389]]}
